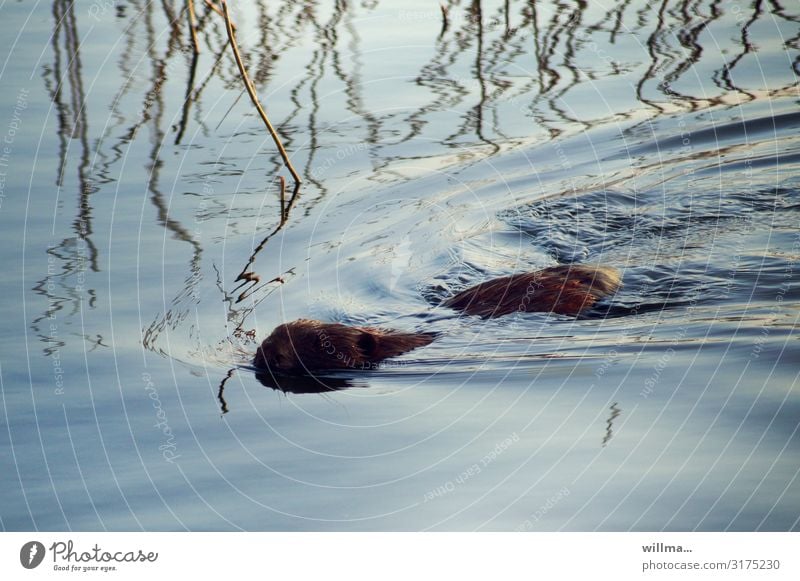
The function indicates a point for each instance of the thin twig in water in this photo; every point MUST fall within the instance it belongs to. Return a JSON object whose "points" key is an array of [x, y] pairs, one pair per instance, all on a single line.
{"points": [[283, 199], [253, 97], [223, 405], [187, 103], [193, 25], [230, 109]]}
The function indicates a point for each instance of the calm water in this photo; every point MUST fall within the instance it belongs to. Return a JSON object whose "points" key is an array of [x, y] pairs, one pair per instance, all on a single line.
{"points": [[138, 184]]}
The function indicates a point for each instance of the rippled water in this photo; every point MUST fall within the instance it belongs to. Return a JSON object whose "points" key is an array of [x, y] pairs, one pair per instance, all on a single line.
{"points": [[660, 139]]}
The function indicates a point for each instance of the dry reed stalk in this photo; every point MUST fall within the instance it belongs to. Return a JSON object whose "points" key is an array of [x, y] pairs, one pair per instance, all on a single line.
{"points": [[193, 25], [253, 97]]}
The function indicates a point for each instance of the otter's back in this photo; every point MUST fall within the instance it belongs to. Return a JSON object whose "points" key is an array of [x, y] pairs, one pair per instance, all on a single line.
{"points": [[566, 290]]}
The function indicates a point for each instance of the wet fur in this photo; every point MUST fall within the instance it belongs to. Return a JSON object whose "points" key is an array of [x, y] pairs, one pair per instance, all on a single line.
{"points": [[566, 290], [306, 345]]}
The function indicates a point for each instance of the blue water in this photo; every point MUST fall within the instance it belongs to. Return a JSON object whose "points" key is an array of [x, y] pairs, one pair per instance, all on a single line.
{"points": [[662, 140]]}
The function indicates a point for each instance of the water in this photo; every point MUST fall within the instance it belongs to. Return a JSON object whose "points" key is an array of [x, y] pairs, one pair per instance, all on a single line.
{"points": [[662, 140]]}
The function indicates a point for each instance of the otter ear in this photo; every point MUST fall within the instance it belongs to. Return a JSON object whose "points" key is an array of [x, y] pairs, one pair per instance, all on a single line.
{"points": [[367, 343]]}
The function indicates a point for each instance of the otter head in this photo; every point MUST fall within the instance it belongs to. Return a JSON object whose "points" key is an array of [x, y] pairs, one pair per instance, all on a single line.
{"points": [[305, 346]]}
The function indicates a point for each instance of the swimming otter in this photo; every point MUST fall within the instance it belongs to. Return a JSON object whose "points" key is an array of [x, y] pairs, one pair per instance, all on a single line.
{"points": [[566, 290], [306, 345]]}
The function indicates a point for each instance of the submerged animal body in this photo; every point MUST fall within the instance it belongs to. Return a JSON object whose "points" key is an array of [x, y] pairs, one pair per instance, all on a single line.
{"points": [[565, 290], [305, 346]]}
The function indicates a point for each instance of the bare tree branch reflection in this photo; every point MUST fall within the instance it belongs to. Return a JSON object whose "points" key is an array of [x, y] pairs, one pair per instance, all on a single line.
{"points": [[493, 76]]}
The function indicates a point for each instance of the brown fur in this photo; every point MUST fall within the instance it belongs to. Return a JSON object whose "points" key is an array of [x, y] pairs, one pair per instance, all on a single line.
{"points": [[305, 345], [566, 290]]}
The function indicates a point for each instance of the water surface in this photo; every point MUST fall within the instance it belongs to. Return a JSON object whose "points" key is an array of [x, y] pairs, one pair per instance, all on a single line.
{"points": [[138, 186]]}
